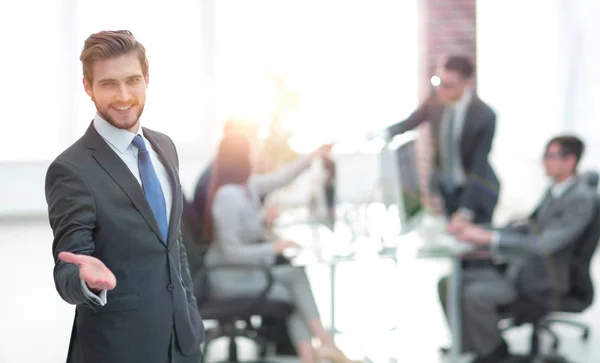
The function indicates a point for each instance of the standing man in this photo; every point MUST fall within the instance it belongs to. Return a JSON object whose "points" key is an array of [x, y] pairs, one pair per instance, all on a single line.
{"points": [[114, 204], [463, 128]]}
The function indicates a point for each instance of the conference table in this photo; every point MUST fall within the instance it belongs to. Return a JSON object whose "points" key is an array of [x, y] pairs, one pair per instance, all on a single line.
{"points": [[446, 246], [320, 251]]}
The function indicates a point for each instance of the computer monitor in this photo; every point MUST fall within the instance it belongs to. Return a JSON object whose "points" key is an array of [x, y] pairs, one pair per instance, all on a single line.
{"points": [[400, 180]]}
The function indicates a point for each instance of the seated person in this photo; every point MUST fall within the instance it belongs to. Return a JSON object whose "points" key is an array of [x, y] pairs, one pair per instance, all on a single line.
{"points": [[232, 126], [238, 237], [555, 226], [283, 345]]}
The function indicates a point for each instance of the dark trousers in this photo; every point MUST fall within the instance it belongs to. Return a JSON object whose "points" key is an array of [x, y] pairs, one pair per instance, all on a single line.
{"points": [[452, 204], [277, 333], [176, 356]]}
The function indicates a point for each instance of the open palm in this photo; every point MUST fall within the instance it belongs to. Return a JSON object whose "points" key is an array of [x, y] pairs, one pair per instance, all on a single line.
{"points": [[91, 270]]}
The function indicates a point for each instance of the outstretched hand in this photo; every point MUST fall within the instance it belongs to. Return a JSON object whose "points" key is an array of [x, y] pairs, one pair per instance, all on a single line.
{"points": [[323, 150], [92, 271]]}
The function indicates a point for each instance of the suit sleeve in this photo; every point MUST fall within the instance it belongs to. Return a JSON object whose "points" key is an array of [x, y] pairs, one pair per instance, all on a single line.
{"points": [[477, 175], [267, 183], [565, 230], [183, 259], [72, 216], [186, 276], [414, 120]]}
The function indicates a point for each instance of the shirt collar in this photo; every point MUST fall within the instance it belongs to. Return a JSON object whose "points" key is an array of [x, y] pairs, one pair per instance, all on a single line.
{"points": [[559, 189], [119, 138], [464, 100]]}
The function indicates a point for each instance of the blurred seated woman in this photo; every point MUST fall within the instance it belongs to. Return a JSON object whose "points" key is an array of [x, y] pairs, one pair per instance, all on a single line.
{"points": [[237, 236]]}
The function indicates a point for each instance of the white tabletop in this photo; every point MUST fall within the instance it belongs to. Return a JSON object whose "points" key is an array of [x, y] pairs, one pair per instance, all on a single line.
{"points": [[444, 245]]}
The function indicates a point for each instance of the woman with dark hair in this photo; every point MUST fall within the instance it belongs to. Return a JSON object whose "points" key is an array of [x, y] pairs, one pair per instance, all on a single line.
{"points": [[234, 227]]}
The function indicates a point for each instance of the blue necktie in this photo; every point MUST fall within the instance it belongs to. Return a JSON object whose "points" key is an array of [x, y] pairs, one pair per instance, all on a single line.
{"points": [[151, 185]]}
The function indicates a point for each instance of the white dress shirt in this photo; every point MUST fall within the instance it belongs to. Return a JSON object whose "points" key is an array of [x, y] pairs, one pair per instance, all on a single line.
{"points": [[120, 142], [558, 189]]}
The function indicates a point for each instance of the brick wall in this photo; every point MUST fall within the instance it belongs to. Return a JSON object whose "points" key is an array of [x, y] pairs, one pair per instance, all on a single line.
{"points": [[446, 27]]}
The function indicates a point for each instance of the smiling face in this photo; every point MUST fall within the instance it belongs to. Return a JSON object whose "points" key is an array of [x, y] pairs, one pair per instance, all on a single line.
{"points": [[118, 89]]}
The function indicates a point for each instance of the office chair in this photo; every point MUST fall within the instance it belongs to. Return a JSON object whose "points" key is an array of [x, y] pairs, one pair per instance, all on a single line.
{"points": [[581, 295], [591, 178], [233, 314], [522, 312]]}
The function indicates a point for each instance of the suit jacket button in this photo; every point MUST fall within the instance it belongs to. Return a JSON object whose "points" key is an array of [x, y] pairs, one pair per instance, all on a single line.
{"points": [[170, 287]]}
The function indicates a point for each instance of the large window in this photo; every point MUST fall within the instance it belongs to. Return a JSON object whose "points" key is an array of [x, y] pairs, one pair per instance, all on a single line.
{"points": [[31, 74], [350, 66]]}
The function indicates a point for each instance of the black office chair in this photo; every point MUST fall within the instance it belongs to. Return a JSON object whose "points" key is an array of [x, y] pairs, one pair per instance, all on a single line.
{"points": [[523, 312], [232, 315], [591, 178], [581, 295]]}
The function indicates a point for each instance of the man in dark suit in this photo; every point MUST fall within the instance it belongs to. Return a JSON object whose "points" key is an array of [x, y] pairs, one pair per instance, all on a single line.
{"points": [[463, 127], [115, 203], [538, 257]]}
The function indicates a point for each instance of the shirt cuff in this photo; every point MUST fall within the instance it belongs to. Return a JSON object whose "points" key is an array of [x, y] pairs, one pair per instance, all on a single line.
{"points": [[379, 134], [99, 299], [495, 241], [385, 134], [467, 213]]}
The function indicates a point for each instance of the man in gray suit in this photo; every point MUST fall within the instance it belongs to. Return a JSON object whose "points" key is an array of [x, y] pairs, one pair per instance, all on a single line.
{"points": [[115, 203], [553, 229]]}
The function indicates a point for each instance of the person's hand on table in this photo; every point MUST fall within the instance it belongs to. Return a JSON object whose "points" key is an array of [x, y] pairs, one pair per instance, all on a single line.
{"points": [[434, 204], [280, 246], [458, 222], [474, 234]]}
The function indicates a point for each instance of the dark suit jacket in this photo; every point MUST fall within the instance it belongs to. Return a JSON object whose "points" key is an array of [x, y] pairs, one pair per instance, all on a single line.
{"points": [[97, 207], [482, 187]]}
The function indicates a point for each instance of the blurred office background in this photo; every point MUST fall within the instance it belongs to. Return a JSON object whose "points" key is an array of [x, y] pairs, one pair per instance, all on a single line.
{"points": [[330, 70]]}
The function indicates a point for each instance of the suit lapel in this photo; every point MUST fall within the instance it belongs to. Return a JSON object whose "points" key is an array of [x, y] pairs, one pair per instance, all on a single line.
{"points": [[470, 124], [553, 205], [540, 209], [468, 128], [177, 203], [545, 207], [120, 173]]}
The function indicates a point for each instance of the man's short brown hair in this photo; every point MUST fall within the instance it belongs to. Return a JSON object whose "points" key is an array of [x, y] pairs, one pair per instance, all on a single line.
{"points": [[110, 44]]}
